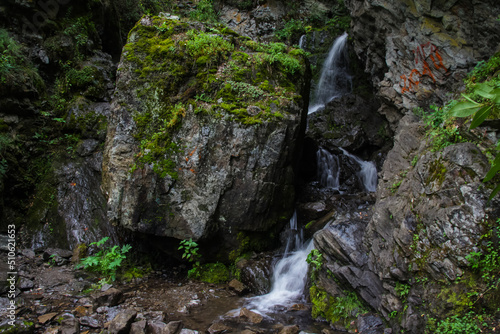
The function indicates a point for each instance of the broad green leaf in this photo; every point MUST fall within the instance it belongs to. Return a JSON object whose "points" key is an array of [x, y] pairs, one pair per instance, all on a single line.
{"points": [[496, 94], [480, 116], [484, 90], [470, 100], [464, 109], [494, 192], [495, 167]]}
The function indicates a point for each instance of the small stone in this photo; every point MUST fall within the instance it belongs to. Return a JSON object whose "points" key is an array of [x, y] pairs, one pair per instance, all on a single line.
{"points": [[42, 309], [81, 311], [298, 307], [52, 330], [46, 317], [122, 322], [174, 326], [64, 253], [289, 330], [138, 327], [238, 287], [69, 324], [251, 316], [102, 309], [90, 322], [111, 297], [188, 331], [25, 284], [29, 253], [218, 327], [183, 310]]}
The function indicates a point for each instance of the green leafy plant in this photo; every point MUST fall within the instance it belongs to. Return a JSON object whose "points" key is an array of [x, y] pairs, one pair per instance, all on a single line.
{"points": [[204, 12], [190, 248], [486, 102], [315, 261], [106, 261]]}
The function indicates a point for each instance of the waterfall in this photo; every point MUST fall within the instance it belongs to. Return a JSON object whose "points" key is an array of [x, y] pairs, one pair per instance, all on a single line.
{"points": [[302, 41], [368, 173], [328, 169], [289, 274], [335, 80]]}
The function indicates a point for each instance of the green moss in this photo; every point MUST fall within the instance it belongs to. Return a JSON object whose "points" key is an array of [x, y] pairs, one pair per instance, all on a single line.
{"points": [[213, 273], [172, 62], [335, 309], [437, 172]]}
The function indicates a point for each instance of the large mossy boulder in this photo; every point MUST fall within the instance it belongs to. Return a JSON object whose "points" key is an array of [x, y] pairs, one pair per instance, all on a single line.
{"points": [[204, 130]]}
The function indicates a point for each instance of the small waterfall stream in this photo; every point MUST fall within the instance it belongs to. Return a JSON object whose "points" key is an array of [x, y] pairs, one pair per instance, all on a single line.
{"points": [[335, 80], [289, 274], [328, 169], [368, 172]]}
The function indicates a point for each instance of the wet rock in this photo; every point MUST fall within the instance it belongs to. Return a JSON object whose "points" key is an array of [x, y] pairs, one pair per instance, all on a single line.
{"points": [[350, 122], [42, 309], [289, 330], [69, 324], [25, 284], [28, 253], [250, 316], [51, 252], [110, 297], [46, 317], [159, 327], [370, 324], [52, 330], [90, 321], [122, 322], [188, 331], [87, 147], [256, 274], [238, 287], [299, 307], [138, 327], [218, 327], [174, 326]]}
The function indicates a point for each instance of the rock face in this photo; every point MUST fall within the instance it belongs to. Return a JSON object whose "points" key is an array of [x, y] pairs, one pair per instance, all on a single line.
{"points": [[429, 215], [417, 51], [212, 134]]}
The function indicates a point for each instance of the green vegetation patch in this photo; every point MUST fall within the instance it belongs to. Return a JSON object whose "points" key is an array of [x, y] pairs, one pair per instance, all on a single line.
{"points": [[335, 309], [210, 70]]}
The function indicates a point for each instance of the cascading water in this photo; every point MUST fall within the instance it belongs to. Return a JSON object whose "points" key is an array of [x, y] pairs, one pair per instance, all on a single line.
{"points": [[368, 172], [335, 80], [289, 274], [328, 169]]}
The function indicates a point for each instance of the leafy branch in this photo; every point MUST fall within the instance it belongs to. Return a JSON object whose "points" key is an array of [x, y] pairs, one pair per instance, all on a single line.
{"points": [[487, 100]]}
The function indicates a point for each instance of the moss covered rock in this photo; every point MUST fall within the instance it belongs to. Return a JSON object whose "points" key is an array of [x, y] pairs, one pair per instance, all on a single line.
{"points": [[204, 128]]}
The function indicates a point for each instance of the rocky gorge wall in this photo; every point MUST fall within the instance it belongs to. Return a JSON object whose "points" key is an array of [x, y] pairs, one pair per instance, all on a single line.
{"points": [[407, 256], [417, 51]]}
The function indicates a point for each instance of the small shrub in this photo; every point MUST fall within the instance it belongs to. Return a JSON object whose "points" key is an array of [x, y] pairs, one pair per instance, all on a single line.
{"points": [[204, 12], [106, 261]]}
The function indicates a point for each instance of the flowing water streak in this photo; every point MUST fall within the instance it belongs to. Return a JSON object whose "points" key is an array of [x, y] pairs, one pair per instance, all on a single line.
{"points": [[368, 173], [328, 169], [289, 275], [335, 80], [302, 41]]}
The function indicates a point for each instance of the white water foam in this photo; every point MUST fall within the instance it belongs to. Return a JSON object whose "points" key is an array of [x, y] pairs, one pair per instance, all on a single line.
{"points": [[335, 80], [367, 174]]}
